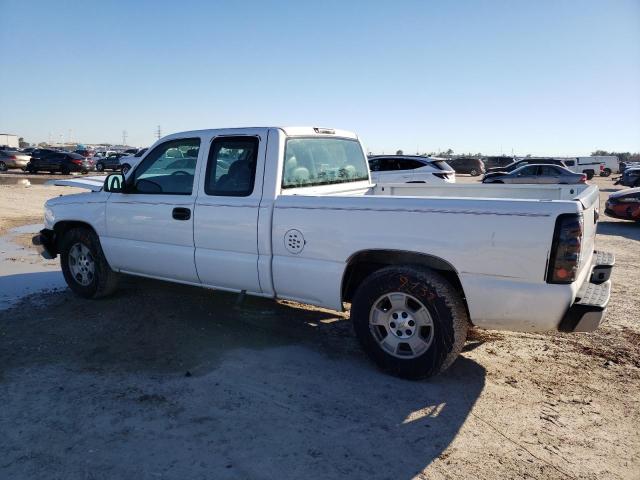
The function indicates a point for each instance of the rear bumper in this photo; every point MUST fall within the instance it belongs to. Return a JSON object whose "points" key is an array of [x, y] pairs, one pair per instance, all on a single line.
{"points": [[45, 243], [590, 306]]}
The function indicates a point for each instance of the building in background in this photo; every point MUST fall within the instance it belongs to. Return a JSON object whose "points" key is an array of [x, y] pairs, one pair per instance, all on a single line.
{"points": [[9, 140]]}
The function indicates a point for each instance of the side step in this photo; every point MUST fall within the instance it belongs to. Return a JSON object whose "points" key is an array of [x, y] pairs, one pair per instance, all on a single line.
{"points": [[603, 264]]}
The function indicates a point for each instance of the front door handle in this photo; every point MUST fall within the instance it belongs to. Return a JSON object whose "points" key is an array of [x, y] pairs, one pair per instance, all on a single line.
{"points": [[180, 213]]}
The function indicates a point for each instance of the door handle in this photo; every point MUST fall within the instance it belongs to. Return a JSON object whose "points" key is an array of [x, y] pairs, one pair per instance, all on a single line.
{"points": [[180, 213]]}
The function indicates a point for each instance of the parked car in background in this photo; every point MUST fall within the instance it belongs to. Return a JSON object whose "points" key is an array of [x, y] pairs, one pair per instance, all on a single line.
{"points": [[590, 166], [537, 173], [630, 177], [472, 166], [13, 159], [128, 162], [63, 162], [109, 162], [625, 165], [410, 169], [624, 204], [525, 161], [497, 161], [86, 153]]}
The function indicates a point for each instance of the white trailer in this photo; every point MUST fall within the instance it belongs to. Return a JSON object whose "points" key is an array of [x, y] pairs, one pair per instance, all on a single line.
{"points": [[9, 140]]}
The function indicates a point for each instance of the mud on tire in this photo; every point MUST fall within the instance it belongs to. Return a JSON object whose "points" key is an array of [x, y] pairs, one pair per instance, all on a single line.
{"points": [[444, 305]]}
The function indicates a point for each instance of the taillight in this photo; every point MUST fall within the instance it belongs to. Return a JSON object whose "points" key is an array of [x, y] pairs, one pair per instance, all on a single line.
{"points": [[583, 179], [13, 157], [76, 161], [601, 167], [565, 249]]}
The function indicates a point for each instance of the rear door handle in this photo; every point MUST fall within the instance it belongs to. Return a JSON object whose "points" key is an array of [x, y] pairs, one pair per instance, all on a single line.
{"points": [[180, 213]]}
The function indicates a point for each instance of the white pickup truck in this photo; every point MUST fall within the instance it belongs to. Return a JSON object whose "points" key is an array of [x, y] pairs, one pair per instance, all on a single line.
{"points": [[291, 213]]}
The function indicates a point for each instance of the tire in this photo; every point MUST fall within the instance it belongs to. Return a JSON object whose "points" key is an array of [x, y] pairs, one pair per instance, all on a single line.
{"points": [[3, 167], [606, 172], [473, 172], [65, 171], [125, 168], [438, 343], [589, 173], [80, 249], [100, 167]]}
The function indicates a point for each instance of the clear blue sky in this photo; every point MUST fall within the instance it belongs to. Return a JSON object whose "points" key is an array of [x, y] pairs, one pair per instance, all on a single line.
{"points": [[541, 77]]}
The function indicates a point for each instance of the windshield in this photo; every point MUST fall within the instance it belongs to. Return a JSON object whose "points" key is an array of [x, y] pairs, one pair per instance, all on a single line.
{"points": [[323, 161]]}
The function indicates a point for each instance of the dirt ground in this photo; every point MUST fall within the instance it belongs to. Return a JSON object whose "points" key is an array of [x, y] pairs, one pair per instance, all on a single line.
{"points": [[167, 381]]}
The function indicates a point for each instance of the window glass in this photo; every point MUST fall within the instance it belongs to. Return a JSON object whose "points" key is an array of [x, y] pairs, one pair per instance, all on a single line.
{"points": [[169, 168], [374, 164], [531, 170], [570, 163], [323, 161], [231, 168], [408, 164], [548, 170]]}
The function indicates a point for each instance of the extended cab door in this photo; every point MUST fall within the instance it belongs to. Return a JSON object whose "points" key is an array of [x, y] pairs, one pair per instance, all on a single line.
{"points": [[150, 228], [226, 212]]}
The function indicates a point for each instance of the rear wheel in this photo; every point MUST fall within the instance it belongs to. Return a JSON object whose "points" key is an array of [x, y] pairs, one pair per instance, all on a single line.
{"points": [[84, 265], [65, 170], [606, 172], [126, 167], [473, 172], [100, 166], [410, 321], [589, 173], [3, 167]]}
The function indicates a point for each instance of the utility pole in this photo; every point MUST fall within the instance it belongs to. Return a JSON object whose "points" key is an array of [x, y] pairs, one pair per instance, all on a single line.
{"points": [[124, 137], [158, 132]]}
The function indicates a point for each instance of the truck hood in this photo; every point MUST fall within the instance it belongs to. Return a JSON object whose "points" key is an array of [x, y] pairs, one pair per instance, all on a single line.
{"points": [[94, 184]]}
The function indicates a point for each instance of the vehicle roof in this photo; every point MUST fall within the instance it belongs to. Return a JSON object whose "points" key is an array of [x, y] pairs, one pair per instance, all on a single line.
{"points": [[410, 157], [289, 131], [543, 165], [626, 191]]}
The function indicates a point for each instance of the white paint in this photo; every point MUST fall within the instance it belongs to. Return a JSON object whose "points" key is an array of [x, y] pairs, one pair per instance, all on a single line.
{"points": [[497, 237]]}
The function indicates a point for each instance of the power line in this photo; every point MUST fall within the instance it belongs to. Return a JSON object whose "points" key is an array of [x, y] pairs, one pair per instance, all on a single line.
{"points": [[124, 137], [158, 132]]}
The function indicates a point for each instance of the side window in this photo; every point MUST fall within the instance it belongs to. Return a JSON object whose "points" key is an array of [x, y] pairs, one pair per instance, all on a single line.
{"points": [[231, 168], [169, 169], [388, 164], [570, 163], [374, 164], [531, 170], [408, 164]]}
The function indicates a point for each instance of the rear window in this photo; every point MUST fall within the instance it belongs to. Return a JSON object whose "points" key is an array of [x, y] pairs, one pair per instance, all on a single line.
{"points": [[441, 164], [313, 161]]}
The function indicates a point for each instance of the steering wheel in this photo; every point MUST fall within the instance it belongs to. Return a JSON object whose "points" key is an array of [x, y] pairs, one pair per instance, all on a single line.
{"points": [[180, 172]]}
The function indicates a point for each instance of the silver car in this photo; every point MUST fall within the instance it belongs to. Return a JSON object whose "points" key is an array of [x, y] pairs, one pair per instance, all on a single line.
{"points": [[536, 173], [12, 159]]}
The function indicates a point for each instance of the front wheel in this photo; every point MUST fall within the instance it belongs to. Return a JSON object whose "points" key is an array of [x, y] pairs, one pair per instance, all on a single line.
{"points": [[125, 168], [65, 171], [606, 172], [3, 167], [84, 265], [410, 321], [473, 172]]}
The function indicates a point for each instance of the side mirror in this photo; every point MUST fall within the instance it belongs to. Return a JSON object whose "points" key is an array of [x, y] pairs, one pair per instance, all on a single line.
{"points": [[114, 183]]}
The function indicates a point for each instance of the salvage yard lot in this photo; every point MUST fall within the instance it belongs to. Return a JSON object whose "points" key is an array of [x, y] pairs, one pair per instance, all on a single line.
{"points": [[167, 381]]}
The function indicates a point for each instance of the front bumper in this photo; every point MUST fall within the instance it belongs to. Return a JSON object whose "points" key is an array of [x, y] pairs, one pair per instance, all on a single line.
{"points": [[45, 243], [590, 306]]}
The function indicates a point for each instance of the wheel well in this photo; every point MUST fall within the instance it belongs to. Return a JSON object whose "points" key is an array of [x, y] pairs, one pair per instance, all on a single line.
{"points": [[364, 263], [64, 226]]}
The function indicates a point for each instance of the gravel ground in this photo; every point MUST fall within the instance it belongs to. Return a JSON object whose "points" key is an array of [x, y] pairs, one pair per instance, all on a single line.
{"points": [[168, 381]]}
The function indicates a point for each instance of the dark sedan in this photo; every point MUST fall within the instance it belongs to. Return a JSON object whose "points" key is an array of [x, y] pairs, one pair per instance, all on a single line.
{"points": [[624, 204], [549, 174], [527, 161], [112, 162], [630, 177], [63, 162]]}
